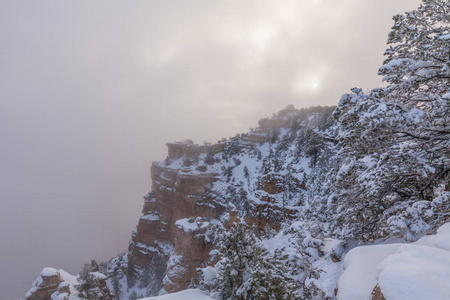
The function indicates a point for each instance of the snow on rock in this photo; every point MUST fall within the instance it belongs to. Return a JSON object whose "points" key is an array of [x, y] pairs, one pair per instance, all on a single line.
{"points": [[99, 275], [416, 272], [46, 284], [420, 270], [440, 240], [191, 224], [48, 272], [190, 294], [59, 285], [150, 217], [54, 284], [360, 275]]}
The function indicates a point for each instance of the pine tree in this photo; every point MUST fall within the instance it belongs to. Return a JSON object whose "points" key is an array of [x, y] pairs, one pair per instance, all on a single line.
{"points": [[152, 275], [94, 266], [417, 69], [418, 61], [248, 271], [91, 287], [116, 287], [131, 273], [396, 140]]}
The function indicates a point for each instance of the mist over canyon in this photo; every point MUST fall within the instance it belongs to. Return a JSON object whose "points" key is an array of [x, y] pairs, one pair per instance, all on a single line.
{"points": [[88, 102]]}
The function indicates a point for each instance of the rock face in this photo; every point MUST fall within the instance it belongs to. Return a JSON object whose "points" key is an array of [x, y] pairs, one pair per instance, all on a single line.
{"points": [[47, 283], [177, 195]]}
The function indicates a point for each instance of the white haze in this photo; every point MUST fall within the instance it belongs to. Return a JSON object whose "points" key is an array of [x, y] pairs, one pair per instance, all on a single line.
{"points": [[90, 91]]}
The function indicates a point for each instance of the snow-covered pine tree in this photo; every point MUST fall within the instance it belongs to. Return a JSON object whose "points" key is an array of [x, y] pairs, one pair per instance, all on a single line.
{"points": [[115, 282], [152, 275], [90, 286], [417, 69], [396, 140], [248, 271], [418, 61], [94, 266], [131, 274]]}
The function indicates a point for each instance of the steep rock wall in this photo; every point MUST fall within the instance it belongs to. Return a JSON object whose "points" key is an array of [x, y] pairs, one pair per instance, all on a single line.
{"points": [[182, 206], [176, 195]]}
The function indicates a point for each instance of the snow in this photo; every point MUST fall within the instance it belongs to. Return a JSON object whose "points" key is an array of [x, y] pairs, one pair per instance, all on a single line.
{"points": [[328, 279], [278, 241], [414, 273], [330, 245], [190, 294], [440, 240], [419, 270], [72, 281], [445, 37], [330, 271], [209, 273], [150, 217], [360, 275], [48, 272], [98, 275], [190, 224]]}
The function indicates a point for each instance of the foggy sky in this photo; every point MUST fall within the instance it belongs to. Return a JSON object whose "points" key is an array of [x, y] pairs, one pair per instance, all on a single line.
{"points": [[90, 91]]}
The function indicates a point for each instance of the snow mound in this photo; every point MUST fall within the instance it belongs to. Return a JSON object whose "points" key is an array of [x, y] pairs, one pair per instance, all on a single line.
{"points": [[190, 294], [48, 272], [416, 272], [360, 265], [420, 270], [440, 240]]}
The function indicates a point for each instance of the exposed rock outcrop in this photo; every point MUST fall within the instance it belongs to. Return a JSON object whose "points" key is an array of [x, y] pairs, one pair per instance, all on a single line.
{"points": [[53, 284], [177, 195], [377, 294], [47, 283]]}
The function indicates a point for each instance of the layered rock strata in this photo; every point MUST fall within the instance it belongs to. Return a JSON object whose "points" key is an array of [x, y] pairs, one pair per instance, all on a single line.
{"points": [[183, 205], [177, 195]]}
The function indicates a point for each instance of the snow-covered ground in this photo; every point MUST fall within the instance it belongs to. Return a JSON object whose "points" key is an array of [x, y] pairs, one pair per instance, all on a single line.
{"points": [[191, 294], [420, 270]]}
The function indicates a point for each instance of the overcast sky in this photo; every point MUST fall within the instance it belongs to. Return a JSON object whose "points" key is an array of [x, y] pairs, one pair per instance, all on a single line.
{"points": [[90, 91]]}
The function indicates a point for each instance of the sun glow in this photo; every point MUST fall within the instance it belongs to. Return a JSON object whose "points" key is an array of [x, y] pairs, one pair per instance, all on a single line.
{"points": [[308, 84]]}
